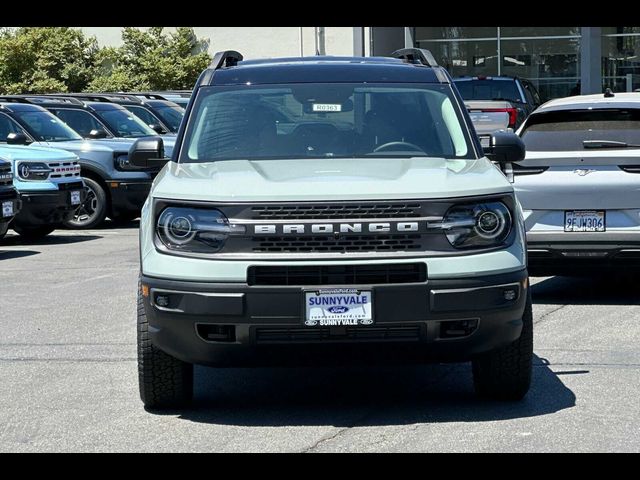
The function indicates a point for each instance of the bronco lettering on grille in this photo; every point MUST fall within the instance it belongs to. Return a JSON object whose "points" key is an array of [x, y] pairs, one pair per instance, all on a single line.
{"points": [[342, 228]]}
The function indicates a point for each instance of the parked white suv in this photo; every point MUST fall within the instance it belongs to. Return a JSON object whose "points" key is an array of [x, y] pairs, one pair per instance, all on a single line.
{"points": [[579, 184]]}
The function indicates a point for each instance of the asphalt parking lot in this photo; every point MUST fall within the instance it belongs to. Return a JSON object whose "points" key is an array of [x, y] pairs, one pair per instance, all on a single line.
{"points": [[69, 374]]}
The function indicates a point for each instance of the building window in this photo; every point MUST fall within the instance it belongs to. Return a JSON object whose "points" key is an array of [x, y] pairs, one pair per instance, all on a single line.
{"points": [[549, 56], [621, 58]]}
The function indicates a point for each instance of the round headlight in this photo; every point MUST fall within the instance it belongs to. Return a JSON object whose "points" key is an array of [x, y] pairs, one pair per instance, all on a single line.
{"points": [[24, 170], [178, 228], [488, 222]]}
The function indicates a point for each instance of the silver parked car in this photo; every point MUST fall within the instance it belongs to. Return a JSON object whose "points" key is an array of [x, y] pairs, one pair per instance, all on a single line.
{"points": [[579, 185]]}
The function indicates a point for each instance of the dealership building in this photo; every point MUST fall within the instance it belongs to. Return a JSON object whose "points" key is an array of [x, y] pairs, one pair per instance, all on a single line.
{"points": [[559, 60]]}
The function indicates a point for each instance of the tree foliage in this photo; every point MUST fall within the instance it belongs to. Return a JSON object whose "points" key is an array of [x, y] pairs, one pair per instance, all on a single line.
{"points": [[152, 60], [45, 59], [62, 59]]}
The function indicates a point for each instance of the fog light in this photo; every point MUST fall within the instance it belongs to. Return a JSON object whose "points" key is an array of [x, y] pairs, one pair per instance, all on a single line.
{"points": [[162, 300], [510, 295]]}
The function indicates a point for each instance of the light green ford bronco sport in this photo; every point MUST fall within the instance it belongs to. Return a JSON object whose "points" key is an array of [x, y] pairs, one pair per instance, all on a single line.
{"points": [[327, 210]]}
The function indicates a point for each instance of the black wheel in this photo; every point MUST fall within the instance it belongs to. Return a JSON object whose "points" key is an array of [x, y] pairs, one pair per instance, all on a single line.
{"points": [[505, 373], [165, 381], [4, 227], [33, 233], [93, 210]]}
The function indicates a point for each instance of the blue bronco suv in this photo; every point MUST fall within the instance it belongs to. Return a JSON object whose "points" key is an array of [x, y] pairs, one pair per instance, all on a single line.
{"points": [[50, 187], [115, 188]]}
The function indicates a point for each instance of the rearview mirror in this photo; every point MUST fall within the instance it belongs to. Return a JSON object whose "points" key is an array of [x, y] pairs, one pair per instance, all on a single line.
{"points": [[17, 139], [147, 152], [505, 147], [97, 133], [156, 127]]}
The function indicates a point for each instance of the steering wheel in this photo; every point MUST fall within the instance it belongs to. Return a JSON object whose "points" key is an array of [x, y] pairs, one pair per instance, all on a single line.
{"points": [[392, 145]]}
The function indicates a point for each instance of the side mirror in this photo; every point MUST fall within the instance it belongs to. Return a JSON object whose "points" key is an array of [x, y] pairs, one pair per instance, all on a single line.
{"points": [[147, 152], [17, 139], [156, 127], [505, 147], [97, 133]]}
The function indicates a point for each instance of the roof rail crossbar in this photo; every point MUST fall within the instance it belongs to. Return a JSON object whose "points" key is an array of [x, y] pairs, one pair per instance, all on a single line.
{"points": [[416, 55], [226, 58], [55, 98], [13, 99]]}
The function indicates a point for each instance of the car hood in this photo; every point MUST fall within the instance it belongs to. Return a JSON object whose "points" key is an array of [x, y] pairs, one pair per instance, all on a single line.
{"points": [[14, 153], [329, 179]]}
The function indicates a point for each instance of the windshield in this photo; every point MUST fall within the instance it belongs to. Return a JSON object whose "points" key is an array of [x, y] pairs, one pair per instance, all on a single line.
{"points": [[325, 121], [489, 90], [171, 116], [125, 124], [45, 127], [567, 130]]}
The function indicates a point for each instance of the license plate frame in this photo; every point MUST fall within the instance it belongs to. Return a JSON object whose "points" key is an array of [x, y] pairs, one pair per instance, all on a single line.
{"points": [[589, 221], [357, 313], [8, 210], [75, 197]]}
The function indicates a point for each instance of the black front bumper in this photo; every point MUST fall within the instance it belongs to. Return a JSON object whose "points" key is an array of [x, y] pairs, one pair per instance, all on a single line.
{"points": [[9, 195], [237, 324], [47, 207], [129, 196]]}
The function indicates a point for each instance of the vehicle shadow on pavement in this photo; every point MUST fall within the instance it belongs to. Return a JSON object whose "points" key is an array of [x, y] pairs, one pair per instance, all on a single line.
{"points": [[7, 254], [51, 239], [357, 396], [603, 290]]}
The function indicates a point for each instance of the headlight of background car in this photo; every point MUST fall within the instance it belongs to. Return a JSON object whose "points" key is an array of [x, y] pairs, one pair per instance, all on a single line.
{"points": [[33, 171], [477, 225], [197, 230], [122, 162]]}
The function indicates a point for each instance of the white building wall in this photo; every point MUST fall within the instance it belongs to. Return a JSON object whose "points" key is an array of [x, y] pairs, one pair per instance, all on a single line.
{"points": [[253, 42]]}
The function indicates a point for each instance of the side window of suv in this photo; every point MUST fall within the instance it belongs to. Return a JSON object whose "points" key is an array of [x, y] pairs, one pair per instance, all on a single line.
{"points": [[79, 120], [143, 114], [7, 126]]}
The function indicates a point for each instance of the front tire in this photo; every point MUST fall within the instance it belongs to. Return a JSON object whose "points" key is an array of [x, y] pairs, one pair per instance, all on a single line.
{"points": [[164, 381], [33, 233], [505, 373], [93, 210]]}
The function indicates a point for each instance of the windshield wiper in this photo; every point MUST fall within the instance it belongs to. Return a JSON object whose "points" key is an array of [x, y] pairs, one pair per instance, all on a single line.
{"points": [[608, 144]]}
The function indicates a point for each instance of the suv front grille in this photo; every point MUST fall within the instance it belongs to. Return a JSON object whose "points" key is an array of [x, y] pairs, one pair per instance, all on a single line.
{"points": [[5, 176], [338, 274], [64, 169], [326, 334], [300, 212], [356, 243]]}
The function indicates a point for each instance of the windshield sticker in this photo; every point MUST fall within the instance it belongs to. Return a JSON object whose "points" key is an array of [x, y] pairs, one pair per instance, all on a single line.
{"points": [[327, 107]]}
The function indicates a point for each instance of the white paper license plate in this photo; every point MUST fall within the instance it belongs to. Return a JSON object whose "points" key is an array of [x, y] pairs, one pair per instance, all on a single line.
{"points": [[338, 307], [75, 197], [7, 209], [585, 221]]}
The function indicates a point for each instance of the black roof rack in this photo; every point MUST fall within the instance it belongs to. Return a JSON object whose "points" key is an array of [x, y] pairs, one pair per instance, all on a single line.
{"points": [[13, 99], [100, 97], [55, 98], [416, 55], [226, 58]]}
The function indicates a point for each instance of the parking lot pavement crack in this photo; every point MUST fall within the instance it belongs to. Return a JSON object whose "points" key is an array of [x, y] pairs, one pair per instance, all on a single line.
{"points": [[547, 314]]}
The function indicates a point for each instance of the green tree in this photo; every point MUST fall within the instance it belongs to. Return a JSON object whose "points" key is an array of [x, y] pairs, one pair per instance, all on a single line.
{"points": [[151, 59], [45, 59]]}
